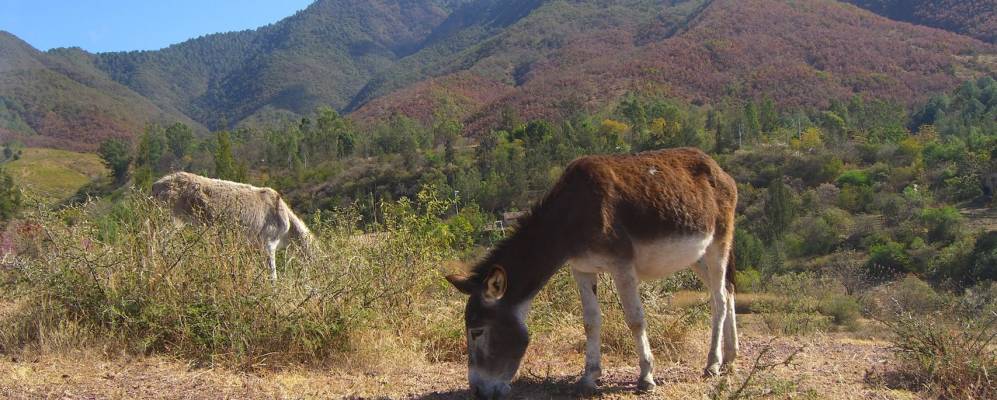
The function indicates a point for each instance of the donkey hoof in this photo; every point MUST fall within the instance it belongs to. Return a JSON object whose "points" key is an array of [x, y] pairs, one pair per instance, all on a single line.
{"points": [[586, 387], [728, 368], [646, 385], [711, 371]]}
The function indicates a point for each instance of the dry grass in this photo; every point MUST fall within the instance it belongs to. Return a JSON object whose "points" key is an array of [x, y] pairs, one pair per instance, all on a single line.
{"points": [[832, 366], [123, 303], [131, 279]]}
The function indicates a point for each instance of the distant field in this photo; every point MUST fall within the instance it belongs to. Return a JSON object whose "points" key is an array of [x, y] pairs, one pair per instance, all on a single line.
{"points": [[49, 175]]}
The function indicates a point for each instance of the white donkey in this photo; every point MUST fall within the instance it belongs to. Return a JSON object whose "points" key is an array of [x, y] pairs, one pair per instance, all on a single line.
{"points": [[260, 211]]}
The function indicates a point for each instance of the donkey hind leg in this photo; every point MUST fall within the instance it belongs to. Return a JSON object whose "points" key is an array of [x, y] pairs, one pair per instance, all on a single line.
{"points": [[730, 332], [711, 269], [272, 245], [627, 285], [587, 283]]}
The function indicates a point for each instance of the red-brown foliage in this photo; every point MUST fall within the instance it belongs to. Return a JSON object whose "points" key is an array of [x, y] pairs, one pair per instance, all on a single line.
{"points": [[801, 54]]}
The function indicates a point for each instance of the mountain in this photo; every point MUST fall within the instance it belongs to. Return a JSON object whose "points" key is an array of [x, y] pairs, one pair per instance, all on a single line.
{"points": [[543, 58], [61, 99], [801, 54], [322, 55], [976, 18]]}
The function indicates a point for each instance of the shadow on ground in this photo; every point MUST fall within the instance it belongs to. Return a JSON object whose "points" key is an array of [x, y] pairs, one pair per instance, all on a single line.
{"points": [[537, 387]]}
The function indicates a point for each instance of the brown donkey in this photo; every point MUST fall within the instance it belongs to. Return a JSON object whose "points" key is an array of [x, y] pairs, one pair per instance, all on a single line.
{"points": [[637, 217]]}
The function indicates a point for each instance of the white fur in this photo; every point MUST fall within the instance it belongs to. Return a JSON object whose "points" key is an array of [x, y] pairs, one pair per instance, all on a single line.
{"points": [[652, 259], [655, 259], [261, 212]]}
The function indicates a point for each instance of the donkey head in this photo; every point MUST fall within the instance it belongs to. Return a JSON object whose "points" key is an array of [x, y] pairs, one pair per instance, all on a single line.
{"points": [[496, 333]]}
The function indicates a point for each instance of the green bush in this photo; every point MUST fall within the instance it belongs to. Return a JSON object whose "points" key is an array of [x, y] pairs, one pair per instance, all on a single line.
{"points": [[943, 224], [844, 310], [748, 281], [854, 177], [795, 309], [855, 198], [888, 259], [910, 294]]}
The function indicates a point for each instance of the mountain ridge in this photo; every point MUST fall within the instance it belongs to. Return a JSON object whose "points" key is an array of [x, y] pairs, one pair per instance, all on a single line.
{"points": [[376, 58], [976, 18]]}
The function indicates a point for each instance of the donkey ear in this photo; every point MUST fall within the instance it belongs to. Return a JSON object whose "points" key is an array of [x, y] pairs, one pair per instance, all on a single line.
{"points": [[495, 284], [463, 283]]}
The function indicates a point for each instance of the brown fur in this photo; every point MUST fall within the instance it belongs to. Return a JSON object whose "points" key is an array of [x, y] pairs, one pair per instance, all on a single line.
{"points": [[604, 203], [608, 210]]}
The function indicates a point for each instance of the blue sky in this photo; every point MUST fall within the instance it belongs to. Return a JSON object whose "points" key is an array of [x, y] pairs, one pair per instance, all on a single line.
{"points": [[116, 25]]}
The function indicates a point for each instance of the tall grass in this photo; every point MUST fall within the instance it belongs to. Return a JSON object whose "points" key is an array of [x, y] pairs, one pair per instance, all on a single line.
{"points": [[126, 278], [944, 344], [129, 279]]}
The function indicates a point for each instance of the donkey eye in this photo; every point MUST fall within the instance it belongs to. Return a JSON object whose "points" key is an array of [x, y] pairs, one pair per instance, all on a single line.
{"points": [[476, 332]]}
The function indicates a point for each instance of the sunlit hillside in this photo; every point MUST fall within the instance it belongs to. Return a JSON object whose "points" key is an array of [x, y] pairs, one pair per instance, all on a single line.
{"points": [[49, 176]]}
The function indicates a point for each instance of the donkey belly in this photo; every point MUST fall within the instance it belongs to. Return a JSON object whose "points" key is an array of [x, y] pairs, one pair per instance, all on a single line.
{"points": [[659, 258], [652, 259]]}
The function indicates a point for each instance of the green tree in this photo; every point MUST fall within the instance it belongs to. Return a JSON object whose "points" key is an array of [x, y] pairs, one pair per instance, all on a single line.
{"points": [[10, 196], [225, 165], [942, 224], [115, 154], [179, 138], [752, 120], [151, 147], [780, 209], [633, 110], [768, 116]]}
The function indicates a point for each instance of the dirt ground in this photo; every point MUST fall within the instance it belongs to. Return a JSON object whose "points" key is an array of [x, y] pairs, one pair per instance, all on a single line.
{"points": [[830, 366]]}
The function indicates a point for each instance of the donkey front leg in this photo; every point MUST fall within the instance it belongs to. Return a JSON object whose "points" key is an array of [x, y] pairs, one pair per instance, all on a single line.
{"points": [[587, 283], [627, 285]]}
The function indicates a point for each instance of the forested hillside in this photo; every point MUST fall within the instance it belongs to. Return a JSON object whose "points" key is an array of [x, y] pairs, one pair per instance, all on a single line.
{"points": [[322, 55], [60, 99], [543, 59], [569, 55], [976, 18], [862, 181]]}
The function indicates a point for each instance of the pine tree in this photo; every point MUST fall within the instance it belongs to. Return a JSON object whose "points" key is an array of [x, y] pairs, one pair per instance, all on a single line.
{"points": [[116, 156], [179, 137], [225, 165], [780, 209], [10, 197]]}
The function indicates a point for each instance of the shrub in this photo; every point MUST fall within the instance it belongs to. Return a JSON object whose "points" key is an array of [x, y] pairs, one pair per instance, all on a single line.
{"points": [[131, 279], [854, 177], [855, 198], [844, 310], [749, 280], [795, 310], [887, 259], [910, 294], [950, 359], [942, 224], [963, 187]]}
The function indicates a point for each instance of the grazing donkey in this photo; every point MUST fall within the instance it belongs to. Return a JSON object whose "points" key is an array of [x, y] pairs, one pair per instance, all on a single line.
{"points": [[636, 217], [260, 211]]}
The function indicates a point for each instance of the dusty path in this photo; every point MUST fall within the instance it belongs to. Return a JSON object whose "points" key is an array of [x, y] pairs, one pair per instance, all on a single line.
{"points": [[831, 366]]}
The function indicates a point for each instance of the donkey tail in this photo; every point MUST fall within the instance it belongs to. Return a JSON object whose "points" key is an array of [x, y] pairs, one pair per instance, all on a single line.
{"points": [[731, 269], [299, 232]]}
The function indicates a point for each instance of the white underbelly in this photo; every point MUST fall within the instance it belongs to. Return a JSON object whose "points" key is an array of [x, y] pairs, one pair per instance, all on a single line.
{"points": [[651, 259]]}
